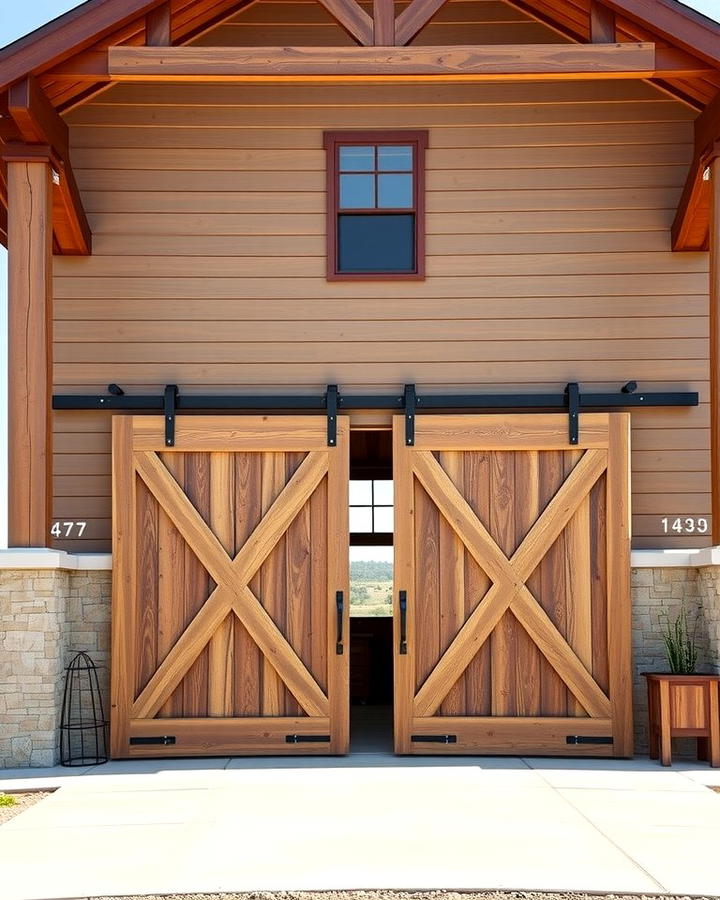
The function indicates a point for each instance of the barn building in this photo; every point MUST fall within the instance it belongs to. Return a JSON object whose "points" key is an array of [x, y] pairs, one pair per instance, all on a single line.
{"points": [[269, 259]]}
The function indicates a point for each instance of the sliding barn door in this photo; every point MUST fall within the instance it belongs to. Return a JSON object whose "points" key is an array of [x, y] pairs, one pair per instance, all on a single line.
{"points": [[229, 617], [512, 598]]}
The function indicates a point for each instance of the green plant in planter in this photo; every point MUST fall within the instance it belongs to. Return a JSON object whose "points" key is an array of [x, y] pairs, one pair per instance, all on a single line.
{"points": [[7, 800], [681, 644]]}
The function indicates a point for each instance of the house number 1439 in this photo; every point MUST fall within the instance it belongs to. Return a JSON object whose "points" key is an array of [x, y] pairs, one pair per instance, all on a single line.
{"points": [[687, 525]]}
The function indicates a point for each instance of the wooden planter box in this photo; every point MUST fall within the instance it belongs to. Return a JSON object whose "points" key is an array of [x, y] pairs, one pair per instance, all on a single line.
{"points": [[684, 706]]}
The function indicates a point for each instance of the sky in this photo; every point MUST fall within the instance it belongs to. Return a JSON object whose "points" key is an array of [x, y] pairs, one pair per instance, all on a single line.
{"points": [[16, 21]]}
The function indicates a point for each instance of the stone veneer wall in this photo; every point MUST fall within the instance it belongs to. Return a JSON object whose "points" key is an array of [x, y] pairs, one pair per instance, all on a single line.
{"points": [[47, 615], [658, 595]]}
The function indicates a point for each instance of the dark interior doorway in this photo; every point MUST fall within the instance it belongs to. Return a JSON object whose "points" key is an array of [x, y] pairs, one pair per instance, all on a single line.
{"points": [[371, 542]]}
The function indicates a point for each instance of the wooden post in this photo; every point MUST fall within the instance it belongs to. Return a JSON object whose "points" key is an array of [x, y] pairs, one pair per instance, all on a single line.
{"points": [[602, 23], [714, 239], [383, 23], [30, 246]]}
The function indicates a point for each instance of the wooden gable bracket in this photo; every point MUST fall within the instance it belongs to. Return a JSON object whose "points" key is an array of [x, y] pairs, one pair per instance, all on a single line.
{"points": [[38, 123], [692, 221]]}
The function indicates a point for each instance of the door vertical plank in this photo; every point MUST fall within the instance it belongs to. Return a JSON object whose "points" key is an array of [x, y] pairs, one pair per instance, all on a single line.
{"points": [[478, 675], [298, 590], [319, 589], [503, 640], [618, 559], [171, 583], [248, 660], [222, 643], [599, 583], [527, 510], [452, 585], [578, 581], [552, 596], [124, 482], [197, 583], [427, 585], [338, 579], [146, 661], [403, 580], [273, 580]]}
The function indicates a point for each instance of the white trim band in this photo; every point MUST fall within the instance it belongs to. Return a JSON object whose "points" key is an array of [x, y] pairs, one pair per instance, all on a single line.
{"points": [[45, 558]]}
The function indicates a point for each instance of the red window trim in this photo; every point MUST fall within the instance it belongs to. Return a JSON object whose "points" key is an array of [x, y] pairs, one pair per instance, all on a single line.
{"points": [[419, 140]]}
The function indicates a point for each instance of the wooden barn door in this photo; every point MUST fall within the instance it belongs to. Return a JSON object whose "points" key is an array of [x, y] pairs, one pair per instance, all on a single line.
{"points": [[512, 598], [230, 564]]}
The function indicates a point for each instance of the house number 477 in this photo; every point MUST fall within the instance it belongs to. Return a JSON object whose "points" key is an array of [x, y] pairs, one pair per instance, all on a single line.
{"points": [[68, 529], [688, 525]]}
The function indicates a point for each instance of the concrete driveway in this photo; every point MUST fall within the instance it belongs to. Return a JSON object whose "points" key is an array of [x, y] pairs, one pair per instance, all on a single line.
{"points": [[364, 821]]}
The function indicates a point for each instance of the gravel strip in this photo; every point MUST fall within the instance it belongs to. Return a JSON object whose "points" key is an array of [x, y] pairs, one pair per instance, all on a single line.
{"points": [[407, 895], [22, 802]]}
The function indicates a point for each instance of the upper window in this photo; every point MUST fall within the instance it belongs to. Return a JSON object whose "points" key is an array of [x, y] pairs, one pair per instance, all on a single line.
{"points": [[376, 204]]}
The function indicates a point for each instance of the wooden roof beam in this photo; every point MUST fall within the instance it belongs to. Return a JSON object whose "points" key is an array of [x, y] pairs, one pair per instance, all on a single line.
{"points": [[690, 228], [158, 26], [602, 23], [67, 35], [353, 18], [471, 63], [414, 18], [38, 123], [677, 23]]}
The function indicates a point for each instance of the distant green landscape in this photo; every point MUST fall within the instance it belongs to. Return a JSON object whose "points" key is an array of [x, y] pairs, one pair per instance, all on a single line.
{"points": [[370, 588]]}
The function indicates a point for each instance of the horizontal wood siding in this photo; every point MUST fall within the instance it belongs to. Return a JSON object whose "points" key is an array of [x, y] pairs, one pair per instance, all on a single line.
{"points": [[548, 252]]}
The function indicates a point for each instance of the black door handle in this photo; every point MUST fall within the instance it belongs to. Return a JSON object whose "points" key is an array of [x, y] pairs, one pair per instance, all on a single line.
{"points": [[403, 622], [339, 604]]}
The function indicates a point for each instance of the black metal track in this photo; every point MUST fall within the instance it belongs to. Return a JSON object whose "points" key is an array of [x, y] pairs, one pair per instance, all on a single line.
{"points": [[572, 400]]}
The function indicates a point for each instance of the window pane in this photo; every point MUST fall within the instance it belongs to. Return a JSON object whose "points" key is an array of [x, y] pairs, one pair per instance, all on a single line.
{"points": [[357, 191], [395, 159], [383, 519], [384, 493], [360, 518], [357, 159], [360, 493], [395, 191], [377, 243]]}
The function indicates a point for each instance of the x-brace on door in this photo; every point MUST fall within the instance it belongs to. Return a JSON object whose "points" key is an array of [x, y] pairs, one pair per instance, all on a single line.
{"points": [[229, 616]]}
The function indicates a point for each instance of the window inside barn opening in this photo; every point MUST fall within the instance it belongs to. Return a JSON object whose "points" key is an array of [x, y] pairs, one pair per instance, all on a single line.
{"points": [[376, 205]]}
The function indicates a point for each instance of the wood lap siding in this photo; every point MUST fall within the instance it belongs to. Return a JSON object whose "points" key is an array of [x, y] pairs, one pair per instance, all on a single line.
{"points": [[548, 254]]}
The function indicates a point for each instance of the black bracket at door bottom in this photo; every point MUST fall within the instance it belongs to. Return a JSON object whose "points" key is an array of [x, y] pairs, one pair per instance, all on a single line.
{"points": [[433, 738], [587, 739], [307, 738], [160, 739]]}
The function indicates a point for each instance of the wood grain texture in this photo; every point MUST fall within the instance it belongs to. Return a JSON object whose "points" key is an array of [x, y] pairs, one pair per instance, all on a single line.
{"points": [[29, 360], [495, 62], [590, 176], [200, 637], [547, 623]]}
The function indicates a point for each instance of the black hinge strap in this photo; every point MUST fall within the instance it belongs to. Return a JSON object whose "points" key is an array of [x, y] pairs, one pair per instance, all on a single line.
{"points": [[331, 404], [433, 738], [307, 738], [410, 398], [572, 392], [587, 739], [170, 402], [159, 739]]}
